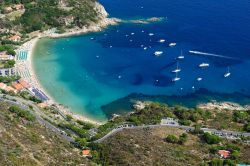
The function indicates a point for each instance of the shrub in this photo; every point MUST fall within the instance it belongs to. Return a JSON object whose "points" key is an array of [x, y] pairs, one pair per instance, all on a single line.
{"points": [[82, 142], [216, 162], [22, 113], [211, 139], [171, 139], [183, 138]]}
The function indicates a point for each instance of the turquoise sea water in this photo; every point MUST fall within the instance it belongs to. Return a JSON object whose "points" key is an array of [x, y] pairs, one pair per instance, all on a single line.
{"points": [[89, 71]]}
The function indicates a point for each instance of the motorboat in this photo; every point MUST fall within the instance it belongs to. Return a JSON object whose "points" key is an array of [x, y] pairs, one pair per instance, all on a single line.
{"points": [[162, 40], [158, 53], [199, 79], [227, 74], [172, 44], [203, 65]]}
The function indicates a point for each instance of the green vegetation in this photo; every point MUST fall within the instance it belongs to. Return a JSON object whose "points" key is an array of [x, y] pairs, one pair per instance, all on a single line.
{"points": [[9, 48], [242, 117], [149, 147], [173, 139], [29, 145], [154, 112], [27, 96], [45, 14], [211, 139], [9, 64], [9, 79], [81, 132], [22, 113]]}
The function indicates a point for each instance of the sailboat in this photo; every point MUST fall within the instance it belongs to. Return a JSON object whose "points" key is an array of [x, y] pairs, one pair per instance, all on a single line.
{"points": [[177, 70], [227, 74], [176, 78], [181, 56]]}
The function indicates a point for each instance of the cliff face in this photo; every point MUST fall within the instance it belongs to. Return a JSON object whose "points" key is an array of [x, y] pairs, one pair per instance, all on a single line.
{"points": [[100, 10]]}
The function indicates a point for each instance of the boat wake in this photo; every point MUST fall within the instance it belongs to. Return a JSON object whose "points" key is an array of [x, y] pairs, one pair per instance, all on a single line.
{"points": [[210, 54]]}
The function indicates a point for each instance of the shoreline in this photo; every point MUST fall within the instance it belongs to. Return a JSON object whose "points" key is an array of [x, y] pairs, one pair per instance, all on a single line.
{"points": [[33, 81], [30, 45], [28, 66]]}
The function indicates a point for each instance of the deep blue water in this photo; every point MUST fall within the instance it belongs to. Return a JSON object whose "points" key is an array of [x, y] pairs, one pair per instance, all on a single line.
{"points": [[92, 73]]}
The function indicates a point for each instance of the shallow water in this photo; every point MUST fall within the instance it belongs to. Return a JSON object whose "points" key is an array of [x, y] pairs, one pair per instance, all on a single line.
{"points": [[85, 74]]}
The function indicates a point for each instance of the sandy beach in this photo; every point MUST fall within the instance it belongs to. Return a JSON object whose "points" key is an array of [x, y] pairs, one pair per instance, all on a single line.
{"points": [[25, 67]]}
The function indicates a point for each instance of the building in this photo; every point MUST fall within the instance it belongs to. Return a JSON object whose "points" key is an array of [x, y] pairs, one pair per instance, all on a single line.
{"points": [[24, 83], [7, 72], [170, 121], [6, 88], [17, 86], [15, 38], [2, 86], [86, 153], [224, 153], [4, 56]]}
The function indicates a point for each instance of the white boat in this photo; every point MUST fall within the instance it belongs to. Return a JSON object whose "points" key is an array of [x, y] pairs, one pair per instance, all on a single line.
{"points": [[181, 56], [176, 78], [172, 44], [132, 33], [203, 65], [151, 34], [227, 74], [177, 70], [162, 40], [199, 79], [158, 53]]}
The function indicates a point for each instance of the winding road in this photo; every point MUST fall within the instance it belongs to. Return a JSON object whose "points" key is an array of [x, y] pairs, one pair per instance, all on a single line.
{"points": [[24, 104], [221, 133]]}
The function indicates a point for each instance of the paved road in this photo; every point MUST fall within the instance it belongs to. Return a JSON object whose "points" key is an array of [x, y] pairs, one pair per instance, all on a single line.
{"points": [[37, 113], [222, 133]]}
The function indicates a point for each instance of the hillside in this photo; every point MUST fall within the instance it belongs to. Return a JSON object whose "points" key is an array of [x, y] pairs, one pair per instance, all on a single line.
{"points": [[23, 141], [149, 147], [23, 17]]}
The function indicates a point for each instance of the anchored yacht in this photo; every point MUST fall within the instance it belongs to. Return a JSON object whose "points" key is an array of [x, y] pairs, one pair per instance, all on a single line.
{"points": [[181, 56], [158, 53], [162, 40], [227, 74], [172, 44], [177, 70], [176, 78], [203, 65], [199, 79]]}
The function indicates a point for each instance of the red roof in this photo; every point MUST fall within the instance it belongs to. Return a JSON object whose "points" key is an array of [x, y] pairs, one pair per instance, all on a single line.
{"points": [[15, 38], [86, 152], [224, 153], [17, 86], [24, 83]]}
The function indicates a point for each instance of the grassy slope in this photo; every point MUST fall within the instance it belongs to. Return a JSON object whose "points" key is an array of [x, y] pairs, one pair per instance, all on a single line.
{"points": [[147, 147], [22, 143]]}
